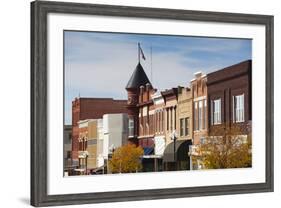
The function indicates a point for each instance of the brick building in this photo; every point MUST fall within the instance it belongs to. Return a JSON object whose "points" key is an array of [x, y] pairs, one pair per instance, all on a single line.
{"points": [[91, 108], [185, 114], [146, 116], [178, 112], [67, 145], [170, 124], [230, 97], [171, 100], [133, 88], [200, 115], [226, 101], [87, 148], [159, 130]]}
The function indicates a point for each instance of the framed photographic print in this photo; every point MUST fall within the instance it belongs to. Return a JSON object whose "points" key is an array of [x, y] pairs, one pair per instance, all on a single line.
{"points": [[131, 103]]}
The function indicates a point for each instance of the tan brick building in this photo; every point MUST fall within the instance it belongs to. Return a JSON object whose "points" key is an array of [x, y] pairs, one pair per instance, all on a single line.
{"points": [[200, 108], [184, 114], [178, 114], [87, 152]]}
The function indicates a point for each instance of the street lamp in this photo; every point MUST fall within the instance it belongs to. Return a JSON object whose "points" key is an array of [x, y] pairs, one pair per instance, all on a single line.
{"points": [[174, 138], [111, 148], [109, 156]]}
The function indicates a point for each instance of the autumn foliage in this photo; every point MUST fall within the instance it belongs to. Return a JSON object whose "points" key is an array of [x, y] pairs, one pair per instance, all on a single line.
{"points": [[231, 149], [126, 159]]}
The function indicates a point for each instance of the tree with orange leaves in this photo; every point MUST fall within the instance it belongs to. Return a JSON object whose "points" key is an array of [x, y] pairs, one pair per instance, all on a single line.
{"points": [[126, 159], [226, 148]]}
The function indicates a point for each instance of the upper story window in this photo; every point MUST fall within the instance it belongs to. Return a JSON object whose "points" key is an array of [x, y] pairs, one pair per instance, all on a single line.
{"points": [[171, 119], [68, 154], [147, 126], [181, 127], [83, 144], [131, 127], [216, 111], [158, 121], [238, 108], [195, 115], [79, 144], [167, 112], [205, 115], [186, 124], [140, 129], [200, 114]]}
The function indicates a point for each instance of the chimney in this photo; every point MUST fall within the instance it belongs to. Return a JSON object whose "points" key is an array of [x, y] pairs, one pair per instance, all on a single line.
{"points": [[180, 89], [198, 74], [148, 86], [141, 89]]}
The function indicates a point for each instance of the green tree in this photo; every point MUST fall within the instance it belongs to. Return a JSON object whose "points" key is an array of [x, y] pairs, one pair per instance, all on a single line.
{"points": [[126, 159]]}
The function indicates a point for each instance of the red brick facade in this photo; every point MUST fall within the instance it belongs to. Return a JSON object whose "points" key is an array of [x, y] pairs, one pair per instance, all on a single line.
{"points": [[227, 83], [133, 112], [92, 108], [146, 116]]}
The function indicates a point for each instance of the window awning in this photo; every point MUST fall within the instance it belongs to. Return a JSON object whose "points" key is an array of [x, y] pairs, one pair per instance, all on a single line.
{"points": [[148, 151], [182, 148]]}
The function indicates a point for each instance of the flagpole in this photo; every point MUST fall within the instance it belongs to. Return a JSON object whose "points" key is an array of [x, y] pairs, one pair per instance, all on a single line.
{"points": [[139, 52], [151, 64]]}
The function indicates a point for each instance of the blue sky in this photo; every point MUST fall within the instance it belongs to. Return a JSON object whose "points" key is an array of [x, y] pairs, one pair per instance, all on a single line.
{"points": [[100, 64]]}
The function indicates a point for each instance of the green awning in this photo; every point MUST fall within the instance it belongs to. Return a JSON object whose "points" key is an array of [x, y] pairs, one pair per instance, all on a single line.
{"points": [[182, 148]]}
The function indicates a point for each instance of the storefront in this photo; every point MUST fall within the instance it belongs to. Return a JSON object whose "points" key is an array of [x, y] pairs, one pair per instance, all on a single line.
{"points": [[176, 156], [148, 160], [152, 159]]}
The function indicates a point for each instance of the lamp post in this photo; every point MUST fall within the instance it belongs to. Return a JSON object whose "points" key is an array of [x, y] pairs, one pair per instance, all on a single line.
{"points": [[190, 157], [174, 138], [86, 164], [109, 156]]}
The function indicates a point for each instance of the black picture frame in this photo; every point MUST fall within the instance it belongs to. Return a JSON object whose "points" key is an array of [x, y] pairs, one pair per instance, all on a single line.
{"points": [[39, 98]]}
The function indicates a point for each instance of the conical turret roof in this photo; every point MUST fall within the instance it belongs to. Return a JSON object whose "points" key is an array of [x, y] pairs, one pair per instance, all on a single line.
{"points": [[138, 78]]}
